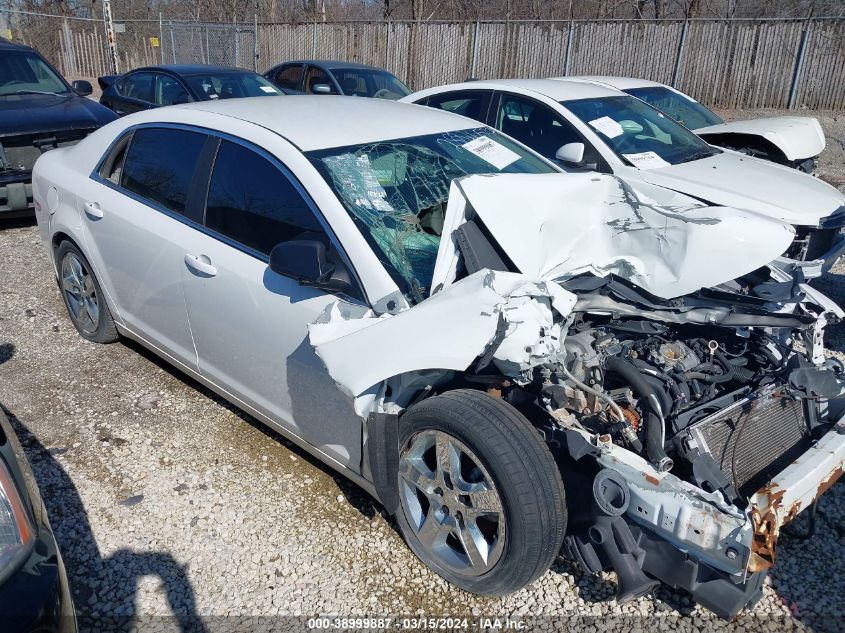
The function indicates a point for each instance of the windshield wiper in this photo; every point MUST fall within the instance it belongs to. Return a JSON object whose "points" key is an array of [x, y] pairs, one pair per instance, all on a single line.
{"points": [[30, 92], [705, 153]]}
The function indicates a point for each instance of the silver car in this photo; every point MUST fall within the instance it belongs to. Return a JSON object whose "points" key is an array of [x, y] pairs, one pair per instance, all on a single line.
{"points": [[518, 363]]}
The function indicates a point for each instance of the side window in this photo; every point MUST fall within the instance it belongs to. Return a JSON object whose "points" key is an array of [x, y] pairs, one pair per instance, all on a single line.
{"points": [[252, 202], [139, 86], [160, 163], [288, 77], [317, 76], [469, 104], [169, 91], [535, 124], [112, 167]]}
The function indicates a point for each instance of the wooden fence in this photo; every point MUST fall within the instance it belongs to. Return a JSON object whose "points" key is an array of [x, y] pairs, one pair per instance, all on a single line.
{"points": [[731, 64]]}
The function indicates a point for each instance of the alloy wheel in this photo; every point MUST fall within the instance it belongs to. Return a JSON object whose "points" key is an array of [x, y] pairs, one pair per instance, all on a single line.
{"points": [[80, 293], [451, 503]]}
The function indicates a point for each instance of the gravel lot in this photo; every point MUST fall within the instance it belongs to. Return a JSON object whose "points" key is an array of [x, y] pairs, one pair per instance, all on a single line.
{"points": [[169, 502]]}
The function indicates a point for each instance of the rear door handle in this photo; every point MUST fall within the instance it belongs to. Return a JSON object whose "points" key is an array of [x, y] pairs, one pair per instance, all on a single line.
{"points": [[200, 264], [93, 210]]}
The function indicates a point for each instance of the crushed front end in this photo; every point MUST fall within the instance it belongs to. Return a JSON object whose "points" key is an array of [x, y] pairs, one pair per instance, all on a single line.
{"points": [[673, 363]]}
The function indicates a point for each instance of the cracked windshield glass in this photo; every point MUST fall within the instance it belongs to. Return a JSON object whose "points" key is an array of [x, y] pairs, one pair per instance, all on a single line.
{"points": [[396, 191]]}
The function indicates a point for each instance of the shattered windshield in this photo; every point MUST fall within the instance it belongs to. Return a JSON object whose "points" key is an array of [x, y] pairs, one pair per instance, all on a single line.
{"points": [[396, 191], [685, 110], [645, 137]]}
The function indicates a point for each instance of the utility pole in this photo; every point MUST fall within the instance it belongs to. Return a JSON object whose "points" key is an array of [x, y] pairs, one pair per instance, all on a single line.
{"points": [[109, 24]]}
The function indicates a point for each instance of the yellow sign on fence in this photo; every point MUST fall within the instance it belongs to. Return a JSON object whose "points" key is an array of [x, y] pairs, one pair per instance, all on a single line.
{"points": [[154, 42], [7, 33]]}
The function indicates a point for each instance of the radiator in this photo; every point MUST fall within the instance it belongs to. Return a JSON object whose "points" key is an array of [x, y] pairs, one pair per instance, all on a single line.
{"points": [[754, 439]]}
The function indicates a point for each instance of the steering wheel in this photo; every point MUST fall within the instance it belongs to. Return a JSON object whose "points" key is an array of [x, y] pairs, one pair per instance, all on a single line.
{"points": [[383, 93]]}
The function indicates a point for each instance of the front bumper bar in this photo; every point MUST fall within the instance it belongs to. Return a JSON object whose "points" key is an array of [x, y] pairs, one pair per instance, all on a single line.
{"points": [[794, 489]]}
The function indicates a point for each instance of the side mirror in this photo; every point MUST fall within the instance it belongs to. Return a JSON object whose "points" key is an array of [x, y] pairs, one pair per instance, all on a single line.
{"points": [[82, 88], [308, 263], [321, 89], [571, 153]]}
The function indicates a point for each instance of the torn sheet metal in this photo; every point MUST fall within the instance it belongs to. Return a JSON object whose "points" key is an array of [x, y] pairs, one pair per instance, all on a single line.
{"points": [[793, 490], [510, 319], [555, 227]]}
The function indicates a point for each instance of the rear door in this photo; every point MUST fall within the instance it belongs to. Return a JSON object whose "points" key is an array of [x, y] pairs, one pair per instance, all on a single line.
{"points": [[135, 224], [135, 92], [250, 324]]}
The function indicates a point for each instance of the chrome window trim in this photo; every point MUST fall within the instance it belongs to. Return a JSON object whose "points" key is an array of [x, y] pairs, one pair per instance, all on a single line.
{"points": [[95, 175]]}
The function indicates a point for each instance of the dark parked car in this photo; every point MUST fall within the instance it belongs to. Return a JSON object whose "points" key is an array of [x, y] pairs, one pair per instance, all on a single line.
{"points": [[156, 86], [34, 592], [39, 110], [336, 78]]}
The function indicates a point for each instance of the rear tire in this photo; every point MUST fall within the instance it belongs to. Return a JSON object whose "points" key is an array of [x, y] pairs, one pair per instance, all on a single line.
{"points": [[481, 498], [83, 296]]}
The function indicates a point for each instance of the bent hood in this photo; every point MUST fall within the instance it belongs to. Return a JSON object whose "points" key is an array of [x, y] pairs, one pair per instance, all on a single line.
{"points": [[31, 114], [797, 137], [554, 227], [735, 180], [550, 226]]}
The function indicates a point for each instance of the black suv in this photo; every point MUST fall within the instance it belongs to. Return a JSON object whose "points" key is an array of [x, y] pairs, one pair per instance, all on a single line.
{"points": [[39, 110]]}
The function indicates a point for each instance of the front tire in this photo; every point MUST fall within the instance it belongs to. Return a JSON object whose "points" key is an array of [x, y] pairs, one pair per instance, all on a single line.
{"points": [[481, 498], [83, 296]]}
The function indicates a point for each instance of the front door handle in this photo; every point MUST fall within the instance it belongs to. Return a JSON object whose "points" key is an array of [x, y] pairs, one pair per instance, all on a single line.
{"points": [[93, 210], [200, 264]]}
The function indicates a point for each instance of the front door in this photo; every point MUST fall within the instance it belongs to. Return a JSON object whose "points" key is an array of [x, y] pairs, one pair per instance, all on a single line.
{"points": [[250, 325]]}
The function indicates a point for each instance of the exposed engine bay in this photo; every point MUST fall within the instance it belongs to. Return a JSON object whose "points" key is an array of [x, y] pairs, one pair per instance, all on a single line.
{"points": [[662, 392]]}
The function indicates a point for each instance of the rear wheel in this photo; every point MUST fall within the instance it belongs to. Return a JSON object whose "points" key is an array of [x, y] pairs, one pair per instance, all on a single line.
{"points": [[83, 296], [481, 499]]}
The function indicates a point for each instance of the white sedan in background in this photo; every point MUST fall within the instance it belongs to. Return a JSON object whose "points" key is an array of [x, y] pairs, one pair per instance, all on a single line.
{"points": [[794, 141], [420, 301], [589, 127]]}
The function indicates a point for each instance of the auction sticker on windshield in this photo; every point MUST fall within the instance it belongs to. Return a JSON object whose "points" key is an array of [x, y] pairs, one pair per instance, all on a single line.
{"points": [[607, 126], [646, 160], [492, 152]]}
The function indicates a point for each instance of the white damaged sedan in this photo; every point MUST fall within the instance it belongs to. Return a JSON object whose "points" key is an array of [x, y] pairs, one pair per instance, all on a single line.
{"points": [[519, 364], [794, 141]]}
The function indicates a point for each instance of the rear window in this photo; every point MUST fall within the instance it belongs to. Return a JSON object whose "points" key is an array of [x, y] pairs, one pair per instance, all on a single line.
{"points": [[160, 164]]}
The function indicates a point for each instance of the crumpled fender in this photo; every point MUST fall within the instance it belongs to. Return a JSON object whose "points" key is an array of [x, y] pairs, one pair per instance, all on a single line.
{"points": [[797, 137], [507, 314]]}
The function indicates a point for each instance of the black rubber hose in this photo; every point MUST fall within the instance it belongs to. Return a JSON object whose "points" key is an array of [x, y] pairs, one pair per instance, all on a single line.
{"points": [[733, 372], [654, 428]]}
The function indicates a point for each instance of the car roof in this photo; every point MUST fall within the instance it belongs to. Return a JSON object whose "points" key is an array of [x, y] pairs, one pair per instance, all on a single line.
{"points": [[313, 122], [559, 90], [6, 45], [621, 83], [193, 69], [330, 64]]}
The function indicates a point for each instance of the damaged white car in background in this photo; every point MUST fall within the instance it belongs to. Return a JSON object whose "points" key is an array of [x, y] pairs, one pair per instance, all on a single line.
{"points": [[794, 141], [530, 364], [652, 346]]}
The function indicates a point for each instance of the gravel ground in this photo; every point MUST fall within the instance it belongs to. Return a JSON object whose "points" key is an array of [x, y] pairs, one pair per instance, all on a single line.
{"points": [[168, 502]]}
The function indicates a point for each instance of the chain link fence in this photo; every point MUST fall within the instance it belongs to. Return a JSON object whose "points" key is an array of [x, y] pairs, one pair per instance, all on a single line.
{"points": [[725, 63]]}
